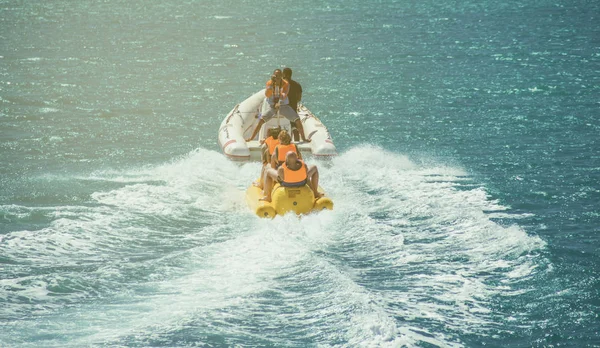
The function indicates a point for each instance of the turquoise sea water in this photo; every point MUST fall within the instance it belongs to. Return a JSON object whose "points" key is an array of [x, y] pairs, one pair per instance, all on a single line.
{"points": [[467, 197]]}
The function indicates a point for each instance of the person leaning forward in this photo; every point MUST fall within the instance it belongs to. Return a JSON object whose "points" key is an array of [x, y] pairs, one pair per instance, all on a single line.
{"points": [[276, 98]]}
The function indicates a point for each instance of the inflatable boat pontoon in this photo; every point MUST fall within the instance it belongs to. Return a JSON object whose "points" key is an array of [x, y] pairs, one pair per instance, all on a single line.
{"points": [[240, 123]]}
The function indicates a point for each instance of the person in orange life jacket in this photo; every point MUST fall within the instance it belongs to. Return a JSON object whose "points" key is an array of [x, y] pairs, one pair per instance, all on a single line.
{"points": [[276, 98], [282, 149], [278, 156], [292, 173], [272, 141], [294, 97]]}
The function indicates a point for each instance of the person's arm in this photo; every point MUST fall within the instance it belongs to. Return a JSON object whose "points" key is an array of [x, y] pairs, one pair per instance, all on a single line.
{"points": [[298, 152], [299, 93], [265, 156], [268, 90], [285, 88], [280, 173], [274, 158]]}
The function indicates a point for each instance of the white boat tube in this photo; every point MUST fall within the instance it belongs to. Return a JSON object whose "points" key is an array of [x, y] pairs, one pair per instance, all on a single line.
{"points": [[241, 121]]}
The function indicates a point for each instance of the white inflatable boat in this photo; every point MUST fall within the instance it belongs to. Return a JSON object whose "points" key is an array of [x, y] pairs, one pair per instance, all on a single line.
{"points": [[240, 123]]}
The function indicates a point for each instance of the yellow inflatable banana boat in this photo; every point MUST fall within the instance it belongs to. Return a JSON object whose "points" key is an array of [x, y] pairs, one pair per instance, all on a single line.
{"points": [[300, 200]]}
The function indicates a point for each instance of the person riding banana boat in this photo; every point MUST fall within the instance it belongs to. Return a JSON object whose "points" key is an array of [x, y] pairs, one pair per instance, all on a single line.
{"points": [[293, 187], [292, 173], [287, 184], [271, 142], [276, 151]]}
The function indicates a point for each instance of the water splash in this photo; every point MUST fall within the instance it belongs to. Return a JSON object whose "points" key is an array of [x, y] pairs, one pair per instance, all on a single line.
{"points": [[409, 256]]}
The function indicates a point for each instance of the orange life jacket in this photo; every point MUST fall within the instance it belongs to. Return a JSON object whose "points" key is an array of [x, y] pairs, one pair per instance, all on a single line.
{"points": [[282, 150], [280, 93], [294, 178], [271, 143]]}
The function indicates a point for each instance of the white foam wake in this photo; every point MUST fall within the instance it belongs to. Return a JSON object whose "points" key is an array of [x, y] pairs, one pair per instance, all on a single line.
{"points": [[408, 256]]}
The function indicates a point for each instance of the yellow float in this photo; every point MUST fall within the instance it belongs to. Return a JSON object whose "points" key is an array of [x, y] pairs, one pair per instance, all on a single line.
{"points": [[300, 200]]}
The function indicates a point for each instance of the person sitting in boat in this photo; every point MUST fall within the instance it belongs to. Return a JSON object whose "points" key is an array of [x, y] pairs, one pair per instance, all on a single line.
{"points": [[292, 173], [285, 145], [276, 100]]}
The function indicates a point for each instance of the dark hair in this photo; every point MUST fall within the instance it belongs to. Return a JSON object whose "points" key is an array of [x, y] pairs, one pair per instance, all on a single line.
{"points": [[274, 132], [287, 72]]}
